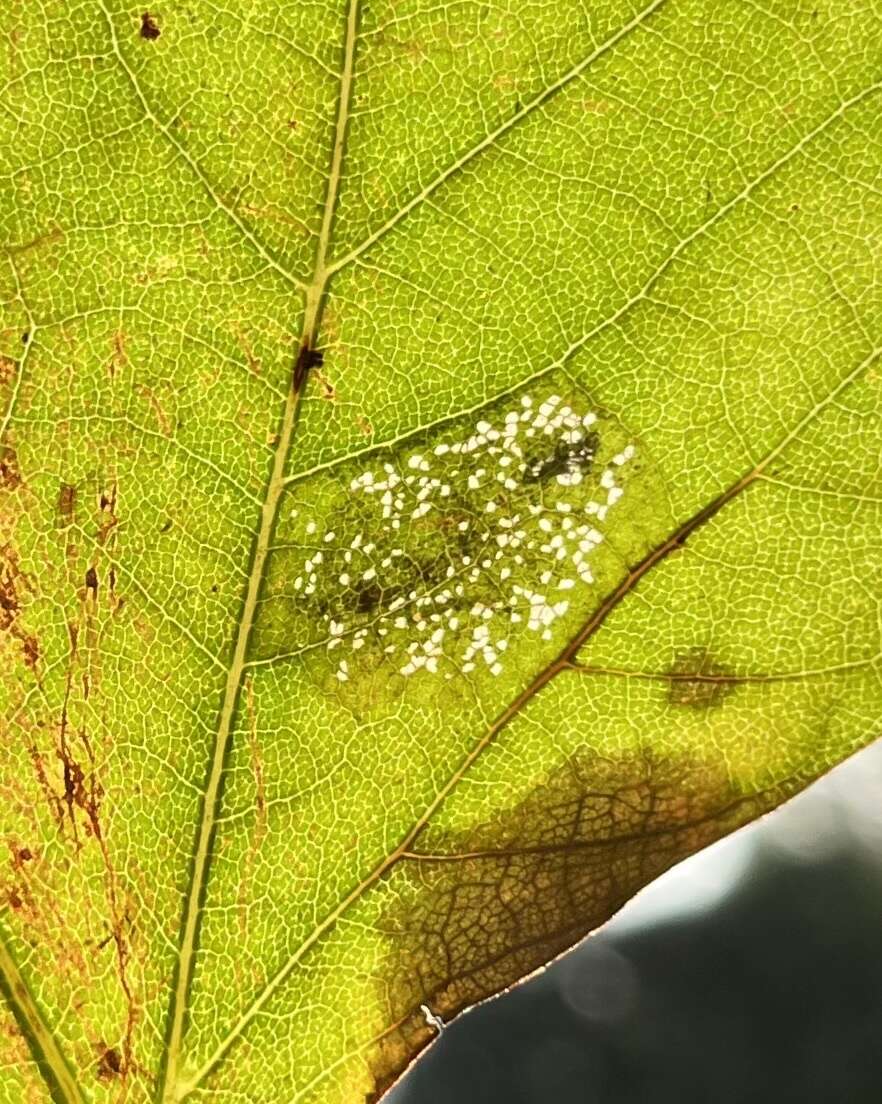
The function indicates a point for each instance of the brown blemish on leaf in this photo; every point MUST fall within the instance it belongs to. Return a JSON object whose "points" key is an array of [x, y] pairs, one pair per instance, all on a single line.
{"points": [[21, 855], [10, 475], [698, 682], [250, 356], [92, 583], [307, 359], [364, 425], [119, 358], [475, 913], [110, 1062], [67, 504], [329, 392], [276, 214], [149, 27], [109, 519], [159, 413], [81, 801], [8, 369], [12, 581], [50, 236], [80, 791]]}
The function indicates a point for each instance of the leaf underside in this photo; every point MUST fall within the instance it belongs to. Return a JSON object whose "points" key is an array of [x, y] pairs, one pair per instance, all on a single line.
{"points": [[439, 490]]}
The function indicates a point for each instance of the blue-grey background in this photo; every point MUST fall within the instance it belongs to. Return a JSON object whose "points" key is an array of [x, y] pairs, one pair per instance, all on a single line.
{"points": [[750, 973]]}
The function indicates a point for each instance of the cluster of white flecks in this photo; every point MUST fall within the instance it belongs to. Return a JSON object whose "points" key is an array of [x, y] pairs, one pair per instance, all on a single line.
{"points": [[544, 538]]}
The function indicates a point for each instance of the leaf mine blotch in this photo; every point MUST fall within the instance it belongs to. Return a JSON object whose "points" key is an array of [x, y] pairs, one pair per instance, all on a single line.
{"points": [[436, 559]]}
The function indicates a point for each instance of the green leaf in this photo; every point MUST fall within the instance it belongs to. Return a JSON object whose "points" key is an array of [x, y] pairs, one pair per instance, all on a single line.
{"points": [[336, 690]]}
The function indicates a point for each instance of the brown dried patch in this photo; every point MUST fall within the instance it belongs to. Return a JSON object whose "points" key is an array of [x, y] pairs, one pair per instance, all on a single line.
{"points": [[10, 475], [697, 681], [67, 504], [46, 238], [91, 584], [245, 345], [476, 913], [21, 856], [161, 417], [119, 358], [149, 27], [12, 582], [328, 392], [110, 1063], [8, 369], [109, 519]]}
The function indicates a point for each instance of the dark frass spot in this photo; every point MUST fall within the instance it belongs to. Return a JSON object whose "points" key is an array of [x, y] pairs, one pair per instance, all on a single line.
{"points": [[149, 27], [92, 580], [697, 681], [307, 358], [566, 458]]}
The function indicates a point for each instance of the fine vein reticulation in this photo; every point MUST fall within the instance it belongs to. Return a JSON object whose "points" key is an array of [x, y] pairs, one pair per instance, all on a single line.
{"points": [[176, 1080]]}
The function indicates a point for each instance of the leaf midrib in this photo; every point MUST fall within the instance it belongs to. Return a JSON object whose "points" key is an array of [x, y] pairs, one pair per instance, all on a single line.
{"points": [[169, 1089]]}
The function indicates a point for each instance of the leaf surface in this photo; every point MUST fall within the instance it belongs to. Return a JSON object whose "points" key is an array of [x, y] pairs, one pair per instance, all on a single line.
{"points": [[338, 686]]}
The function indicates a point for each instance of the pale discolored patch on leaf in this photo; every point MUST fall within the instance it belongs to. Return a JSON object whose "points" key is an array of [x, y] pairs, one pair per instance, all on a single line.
{"points": [[439, 490]]}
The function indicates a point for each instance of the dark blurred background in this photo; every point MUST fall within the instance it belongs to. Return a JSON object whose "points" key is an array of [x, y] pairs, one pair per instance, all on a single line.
{"points": [[751, 972]]}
